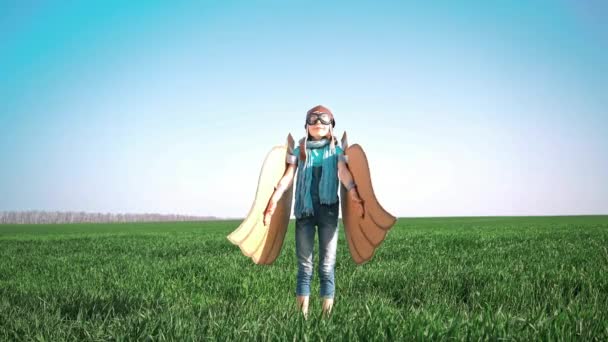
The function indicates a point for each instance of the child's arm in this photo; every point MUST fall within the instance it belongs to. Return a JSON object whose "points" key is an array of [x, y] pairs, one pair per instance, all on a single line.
{"points": [[283, 185], [347, 179]]}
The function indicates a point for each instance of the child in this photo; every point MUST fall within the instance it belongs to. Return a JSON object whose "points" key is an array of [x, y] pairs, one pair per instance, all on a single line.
{"points": [[320, 163]]}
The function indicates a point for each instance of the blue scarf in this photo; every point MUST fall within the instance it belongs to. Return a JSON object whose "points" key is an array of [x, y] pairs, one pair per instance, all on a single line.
{"points": [[328, 185]]}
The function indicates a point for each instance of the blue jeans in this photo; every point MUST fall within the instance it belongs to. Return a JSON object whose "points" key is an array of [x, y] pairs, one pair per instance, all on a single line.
{"points": [[325, 218]]}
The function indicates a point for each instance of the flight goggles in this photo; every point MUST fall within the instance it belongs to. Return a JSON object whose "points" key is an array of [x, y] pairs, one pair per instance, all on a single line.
{"points": [[325, 119]]}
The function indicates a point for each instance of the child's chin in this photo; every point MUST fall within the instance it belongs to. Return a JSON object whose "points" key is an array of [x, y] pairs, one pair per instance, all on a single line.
{"points": [[318, 135]]}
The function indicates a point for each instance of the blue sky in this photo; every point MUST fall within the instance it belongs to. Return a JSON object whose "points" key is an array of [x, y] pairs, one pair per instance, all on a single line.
{"points": [[463, 107]]}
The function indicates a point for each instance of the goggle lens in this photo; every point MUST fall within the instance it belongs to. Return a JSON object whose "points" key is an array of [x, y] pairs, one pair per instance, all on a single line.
{"points": [[314, 117]]}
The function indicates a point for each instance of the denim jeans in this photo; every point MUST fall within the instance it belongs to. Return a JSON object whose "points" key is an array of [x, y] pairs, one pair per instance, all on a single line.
{"points": [[325, 218]]}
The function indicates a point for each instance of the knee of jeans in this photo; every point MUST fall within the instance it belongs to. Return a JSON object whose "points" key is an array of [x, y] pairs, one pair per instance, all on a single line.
{"points": [[326, 271], [305, 267], [327, 259]]}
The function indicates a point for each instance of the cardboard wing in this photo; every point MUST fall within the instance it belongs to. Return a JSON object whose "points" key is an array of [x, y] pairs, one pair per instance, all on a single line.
{"points": [[259, 242], [363, 234]]}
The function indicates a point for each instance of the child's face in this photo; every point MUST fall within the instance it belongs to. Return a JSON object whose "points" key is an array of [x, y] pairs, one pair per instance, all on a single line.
{"points": [[318, 130], [318, 125]]}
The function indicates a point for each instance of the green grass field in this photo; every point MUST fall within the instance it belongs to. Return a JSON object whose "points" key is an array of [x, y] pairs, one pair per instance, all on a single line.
{"points": [[509, 278]]}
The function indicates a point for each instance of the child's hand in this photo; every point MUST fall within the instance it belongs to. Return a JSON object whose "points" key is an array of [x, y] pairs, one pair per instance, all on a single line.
{"points": [[270, 208], [354, 196]]}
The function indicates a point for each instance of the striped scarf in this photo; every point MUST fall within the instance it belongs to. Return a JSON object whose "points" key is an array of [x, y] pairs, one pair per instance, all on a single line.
{"points": [[328, 185]]}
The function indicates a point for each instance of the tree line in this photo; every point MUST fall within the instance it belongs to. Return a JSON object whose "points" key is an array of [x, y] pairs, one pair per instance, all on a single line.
{"points": [[37, 216]]}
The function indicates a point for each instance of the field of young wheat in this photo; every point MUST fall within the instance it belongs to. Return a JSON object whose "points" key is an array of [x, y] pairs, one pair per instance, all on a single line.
{"points": [[522, 278]]}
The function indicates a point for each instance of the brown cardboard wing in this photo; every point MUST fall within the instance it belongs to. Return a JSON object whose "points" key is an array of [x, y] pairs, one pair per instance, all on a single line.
{"points": [[259, 242], [363, 234]]}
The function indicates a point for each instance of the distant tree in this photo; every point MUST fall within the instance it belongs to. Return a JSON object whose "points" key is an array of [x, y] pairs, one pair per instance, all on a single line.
{"points": [[37, 216]]}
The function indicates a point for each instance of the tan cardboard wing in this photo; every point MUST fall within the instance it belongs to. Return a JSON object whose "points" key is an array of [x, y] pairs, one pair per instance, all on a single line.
{"points": [[363, 234], [259, 242]]}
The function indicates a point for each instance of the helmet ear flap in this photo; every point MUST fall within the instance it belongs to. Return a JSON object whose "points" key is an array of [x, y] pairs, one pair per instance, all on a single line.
{"points": [[303, 145], [332, 140]]}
